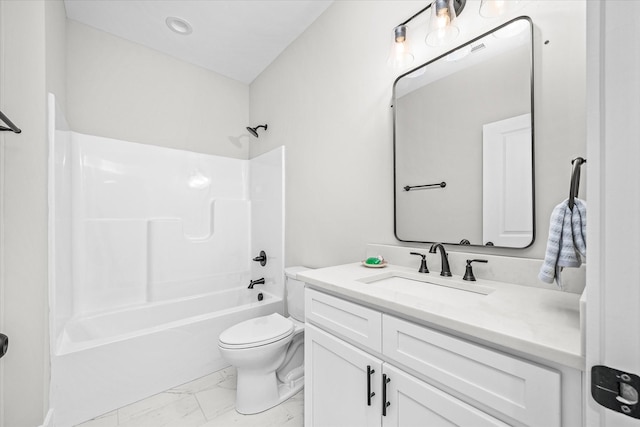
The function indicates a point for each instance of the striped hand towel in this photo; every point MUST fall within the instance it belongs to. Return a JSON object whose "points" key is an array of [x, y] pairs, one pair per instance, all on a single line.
{"points": [[567, 243]]}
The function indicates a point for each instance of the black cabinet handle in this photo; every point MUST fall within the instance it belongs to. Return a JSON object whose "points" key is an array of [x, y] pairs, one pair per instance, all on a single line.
{"points": [[385, 380], [370, 394]]}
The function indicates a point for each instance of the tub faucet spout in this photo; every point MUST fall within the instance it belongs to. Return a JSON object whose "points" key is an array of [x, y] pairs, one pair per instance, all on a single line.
{"points": [[259, 281]]}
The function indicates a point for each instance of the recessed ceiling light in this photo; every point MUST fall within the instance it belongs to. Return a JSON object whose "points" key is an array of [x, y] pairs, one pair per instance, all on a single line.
{"points": [[179, 25]]}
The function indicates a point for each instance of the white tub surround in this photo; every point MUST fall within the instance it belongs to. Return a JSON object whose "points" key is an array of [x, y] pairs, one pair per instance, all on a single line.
{"points": [[537, 322], [150, 256], [472, 353]]}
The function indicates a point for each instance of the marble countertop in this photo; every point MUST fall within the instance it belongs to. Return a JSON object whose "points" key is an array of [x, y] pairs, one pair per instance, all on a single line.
{"points": [[537, 322]]}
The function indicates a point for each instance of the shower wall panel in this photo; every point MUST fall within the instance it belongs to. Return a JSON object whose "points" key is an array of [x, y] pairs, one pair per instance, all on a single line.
{"points": [[267, 193], [151, 223], [198, 265]]}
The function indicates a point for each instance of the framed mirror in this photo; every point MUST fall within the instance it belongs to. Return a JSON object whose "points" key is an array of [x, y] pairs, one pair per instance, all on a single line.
{"points": [[463, 143]]}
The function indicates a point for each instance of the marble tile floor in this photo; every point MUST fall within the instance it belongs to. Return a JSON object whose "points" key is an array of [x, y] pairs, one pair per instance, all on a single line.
{"points": [[205, 402]]}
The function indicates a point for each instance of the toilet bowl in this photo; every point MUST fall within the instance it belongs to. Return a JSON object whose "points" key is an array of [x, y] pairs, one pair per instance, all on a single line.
{"points": [[268, 353]]}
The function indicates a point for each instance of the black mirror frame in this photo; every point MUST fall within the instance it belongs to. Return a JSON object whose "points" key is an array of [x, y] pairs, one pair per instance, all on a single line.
{"points": [[465, 243]]}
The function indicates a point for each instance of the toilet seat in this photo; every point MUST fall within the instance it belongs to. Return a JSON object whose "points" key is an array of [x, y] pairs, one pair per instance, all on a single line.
{"points": [[257, 332]]}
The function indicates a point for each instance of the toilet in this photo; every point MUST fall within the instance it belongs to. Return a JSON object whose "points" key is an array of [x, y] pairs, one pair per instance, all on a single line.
{"points": [[268, 352]]}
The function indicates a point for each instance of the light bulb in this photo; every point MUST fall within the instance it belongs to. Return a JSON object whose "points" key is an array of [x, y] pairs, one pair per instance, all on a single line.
{"points": [[495, 8], [441, 26], [400, 55], [442, 18]]}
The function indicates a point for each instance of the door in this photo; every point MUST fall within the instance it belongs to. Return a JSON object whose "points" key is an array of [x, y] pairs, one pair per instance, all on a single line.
{"points": [[338, 383], [613, 194], [507, 182], [412, 402]]}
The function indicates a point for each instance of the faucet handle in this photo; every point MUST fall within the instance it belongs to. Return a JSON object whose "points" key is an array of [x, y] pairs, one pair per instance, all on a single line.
{"points": [[423, 263], [468, 273], [262, 258]]}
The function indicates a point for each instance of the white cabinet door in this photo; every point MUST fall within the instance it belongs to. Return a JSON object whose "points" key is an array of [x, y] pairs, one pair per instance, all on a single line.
{"points": [[416, 403], [336, 383]]}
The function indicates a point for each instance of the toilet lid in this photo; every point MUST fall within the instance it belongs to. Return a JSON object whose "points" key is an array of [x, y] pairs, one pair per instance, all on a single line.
{"points": [[257, 331]]}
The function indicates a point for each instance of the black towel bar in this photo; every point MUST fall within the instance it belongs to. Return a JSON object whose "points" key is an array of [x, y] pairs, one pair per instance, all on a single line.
{"points": [[12, 127], [411, 187], [575, 179]]}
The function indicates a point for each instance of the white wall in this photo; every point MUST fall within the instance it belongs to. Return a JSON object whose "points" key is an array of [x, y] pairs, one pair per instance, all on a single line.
{"points": [[122, 90], [327, 98], [56, 50], [32, 56]]}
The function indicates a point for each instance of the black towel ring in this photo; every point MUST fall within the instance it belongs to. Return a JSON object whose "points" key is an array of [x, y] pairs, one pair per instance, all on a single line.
{"points": [[575, 179]]}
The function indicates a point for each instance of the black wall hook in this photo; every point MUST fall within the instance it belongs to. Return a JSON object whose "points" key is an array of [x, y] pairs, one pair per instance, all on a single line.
{"points": [[4, 344], [575, 179]]}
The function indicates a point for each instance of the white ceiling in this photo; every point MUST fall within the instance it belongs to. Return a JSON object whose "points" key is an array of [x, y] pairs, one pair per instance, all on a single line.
{"points": [[237, 38]]}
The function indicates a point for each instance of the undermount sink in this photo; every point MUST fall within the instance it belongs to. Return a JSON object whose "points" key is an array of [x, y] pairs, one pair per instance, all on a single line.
{"points": [[421, 283]]}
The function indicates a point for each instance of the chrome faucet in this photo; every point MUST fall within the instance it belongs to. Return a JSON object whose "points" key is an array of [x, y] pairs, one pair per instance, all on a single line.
{"points": [[446, 271], [259, 281]]}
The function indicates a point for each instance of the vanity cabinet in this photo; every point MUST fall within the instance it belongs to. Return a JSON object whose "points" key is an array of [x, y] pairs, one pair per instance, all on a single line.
{"points": [[433, 378], [348, 387]]}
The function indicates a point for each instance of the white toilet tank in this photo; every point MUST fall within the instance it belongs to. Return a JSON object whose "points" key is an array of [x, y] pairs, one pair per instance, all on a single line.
{"points": [[295, 292]]}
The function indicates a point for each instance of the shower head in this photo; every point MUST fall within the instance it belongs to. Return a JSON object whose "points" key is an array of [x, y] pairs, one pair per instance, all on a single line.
{"points": [[254, 131]]}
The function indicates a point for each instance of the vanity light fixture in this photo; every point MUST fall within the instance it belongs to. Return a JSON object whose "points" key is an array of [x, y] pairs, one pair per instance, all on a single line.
{"points": [[442, 24], [443, 30], [400, 55], [495, 8], [179, 25]]}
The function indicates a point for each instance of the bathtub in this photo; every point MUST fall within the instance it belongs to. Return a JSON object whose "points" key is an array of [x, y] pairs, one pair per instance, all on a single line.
{"points": [[108, 360]]}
